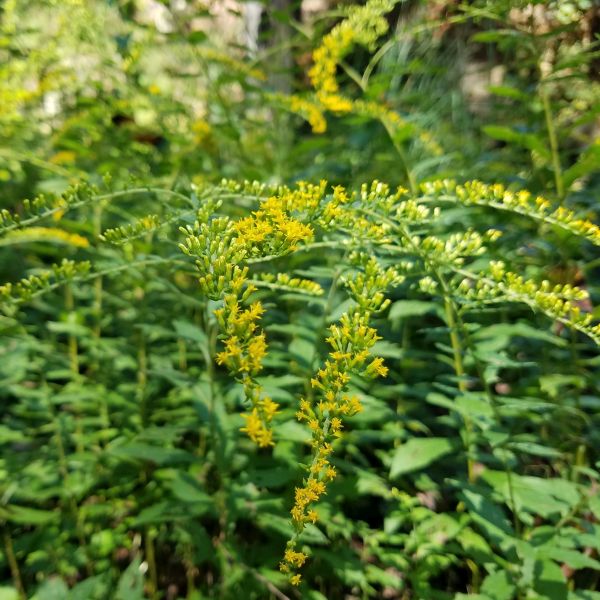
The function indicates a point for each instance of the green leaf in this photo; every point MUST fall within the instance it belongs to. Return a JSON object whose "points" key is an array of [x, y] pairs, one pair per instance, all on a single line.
{"points": [[534, 495], [534, 449], [502, 333], [293, 431], [170, 512], [587, 163], [498, 35], [553, 384], [273, 477], [390, 580], [527, 140], [401, 309], [575, 560], [549, 580], [197, 37], [487, 515], [131, 583], [417, 453], [584, 595], [52, 589], [192, 332], [25, 515], [148, 453], [498, 586], [188, 489], [506, 91], [93, 588], [475, 545]]}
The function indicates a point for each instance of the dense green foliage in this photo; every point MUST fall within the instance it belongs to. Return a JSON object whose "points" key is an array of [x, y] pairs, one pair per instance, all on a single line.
{"points": [[222, 337]]}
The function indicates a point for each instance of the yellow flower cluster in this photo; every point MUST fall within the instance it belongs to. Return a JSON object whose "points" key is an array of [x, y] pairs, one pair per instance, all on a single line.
{"points": [[350, 341], [220, 251], [202, 131], [363, 25], [221, 246], [310, 111], [335, 103], [271, 229], [245, 347]]}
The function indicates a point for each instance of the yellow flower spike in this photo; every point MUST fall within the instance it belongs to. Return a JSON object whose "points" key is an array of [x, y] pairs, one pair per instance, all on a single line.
{"points": [[350, 341]]}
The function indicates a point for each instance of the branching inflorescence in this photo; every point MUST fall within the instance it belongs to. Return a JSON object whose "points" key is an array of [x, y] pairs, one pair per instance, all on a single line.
{"points": [[372, 227], [521, 202], [363, 26]]}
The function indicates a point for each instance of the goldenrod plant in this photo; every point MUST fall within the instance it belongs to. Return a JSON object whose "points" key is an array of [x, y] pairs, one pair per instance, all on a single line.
{"points": [[335, 343]]}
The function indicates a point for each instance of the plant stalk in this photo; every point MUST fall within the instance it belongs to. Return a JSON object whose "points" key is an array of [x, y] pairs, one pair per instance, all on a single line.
{"points": [[12, 563]]}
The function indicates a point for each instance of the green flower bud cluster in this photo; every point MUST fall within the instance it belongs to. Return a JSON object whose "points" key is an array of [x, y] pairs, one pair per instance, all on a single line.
{"points": [[248, 188], [411, 211], [285, 283], [367, 287], [125, 233], [455, 247], [559, 302], [217, 256], [35, 284], [43, 206], [521, 202]]}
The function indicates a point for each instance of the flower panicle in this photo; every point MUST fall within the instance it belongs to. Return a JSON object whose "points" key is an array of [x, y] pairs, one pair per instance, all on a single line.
{"points": [[351, 341], [221, 247]]}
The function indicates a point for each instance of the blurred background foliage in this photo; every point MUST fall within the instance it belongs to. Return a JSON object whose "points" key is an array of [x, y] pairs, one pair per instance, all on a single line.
{"points": [[123, 474]]}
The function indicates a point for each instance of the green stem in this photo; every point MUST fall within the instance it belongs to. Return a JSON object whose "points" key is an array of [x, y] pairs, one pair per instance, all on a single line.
{"points": [[412, 182], [74, 362], [457, 352], [12, 563], [556, 167], [182, 354], [308, 389], [190, 571], [151, 559], [72, 340], [70, 500], [142, 379], [98, 282], [220, 466]]}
